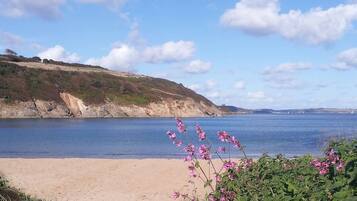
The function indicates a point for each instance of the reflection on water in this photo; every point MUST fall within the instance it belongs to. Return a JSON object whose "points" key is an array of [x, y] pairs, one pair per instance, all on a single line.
{"points": [[145, 138]]}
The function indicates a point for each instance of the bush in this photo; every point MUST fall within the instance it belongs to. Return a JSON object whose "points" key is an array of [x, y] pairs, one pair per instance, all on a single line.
{"points": [[280, 178], [333, 177]]}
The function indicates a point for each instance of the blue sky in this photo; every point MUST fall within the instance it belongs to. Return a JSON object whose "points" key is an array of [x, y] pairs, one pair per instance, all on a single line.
{"points": [[248, 53]]}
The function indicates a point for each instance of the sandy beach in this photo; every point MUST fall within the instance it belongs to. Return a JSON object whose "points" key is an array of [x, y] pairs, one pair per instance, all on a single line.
{"points": [[97, 179]]}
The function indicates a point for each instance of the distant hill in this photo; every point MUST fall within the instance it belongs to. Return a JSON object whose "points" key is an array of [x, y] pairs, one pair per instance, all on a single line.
{"points": [[228, 109], [237, 110], [35, 88]]}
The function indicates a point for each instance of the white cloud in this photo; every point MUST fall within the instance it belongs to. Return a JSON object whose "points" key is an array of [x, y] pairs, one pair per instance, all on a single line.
{"points": [[346, 60], [122, 58], [58, 53], [256, 95], [240, 85], [197, 66], [47, 9], [259, 97], [125, 56], [282, 76], [283, 82], [316, 26], [171, 51], [113, 4], [288, 68]]}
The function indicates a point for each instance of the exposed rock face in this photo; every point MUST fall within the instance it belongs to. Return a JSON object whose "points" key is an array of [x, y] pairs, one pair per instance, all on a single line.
{"points": [[75, 107], [18, 109]]}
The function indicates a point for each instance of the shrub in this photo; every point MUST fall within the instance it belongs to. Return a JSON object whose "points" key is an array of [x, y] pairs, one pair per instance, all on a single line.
{"points": [[333, 177]]}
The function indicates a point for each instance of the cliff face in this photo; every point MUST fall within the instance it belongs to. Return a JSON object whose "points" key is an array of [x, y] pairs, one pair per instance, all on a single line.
{"points": [[38, 90], [74, 107]]}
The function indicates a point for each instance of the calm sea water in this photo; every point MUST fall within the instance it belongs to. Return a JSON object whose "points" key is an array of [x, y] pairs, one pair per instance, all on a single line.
{"points": [[290, 135]]}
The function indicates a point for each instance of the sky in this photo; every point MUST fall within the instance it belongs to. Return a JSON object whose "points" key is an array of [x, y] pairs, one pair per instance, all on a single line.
{"points": [[276, 54]]}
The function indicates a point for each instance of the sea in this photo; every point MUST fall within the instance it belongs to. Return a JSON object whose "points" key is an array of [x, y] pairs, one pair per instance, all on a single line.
{"points": [[138, 138]]}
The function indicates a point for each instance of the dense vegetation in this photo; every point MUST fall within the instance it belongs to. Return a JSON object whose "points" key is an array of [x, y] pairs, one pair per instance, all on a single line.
{"points": [[10, 194], [296, 179], [333, 177], [24, 84]]}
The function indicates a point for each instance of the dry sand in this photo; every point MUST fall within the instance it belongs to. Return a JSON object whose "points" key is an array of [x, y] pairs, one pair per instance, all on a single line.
{"points": [[97, 179]]}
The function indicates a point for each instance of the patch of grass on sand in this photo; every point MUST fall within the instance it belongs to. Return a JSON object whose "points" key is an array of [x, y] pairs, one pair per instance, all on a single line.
{"points": [[8, 193]]}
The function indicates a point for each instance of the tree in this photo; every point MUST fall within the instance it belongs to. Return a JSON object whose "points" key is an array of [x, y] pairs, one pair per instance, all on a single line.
{"points": [[10, 52]]}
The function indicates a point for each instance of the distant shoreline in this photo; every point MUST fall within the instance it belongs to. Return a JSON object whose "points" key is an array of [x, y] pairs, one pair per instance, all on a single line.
{"points": [[168, 117]]}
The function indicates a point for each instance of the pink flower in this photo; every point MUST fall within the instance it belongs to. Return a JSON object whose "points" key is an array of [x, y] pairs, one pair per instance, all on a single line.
{"points": [[316, 163], [223, 199], [235, 142], [190, 149], [221, 150], [175, 195], [180, 125], [171, 135], [247, 163], [178, 143], [238, 169], [340, 166], [201, 134], [192, 170], [211, 198], [332, 156], [229, 165], [231, 176], [223, 136], [188, 158], [204, 152], [325, 164], [323, 171]]}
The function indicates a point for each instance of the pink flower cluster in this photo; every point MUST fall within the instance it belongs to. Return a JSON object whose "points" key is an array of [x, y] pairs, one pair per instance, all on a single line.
{"points": [[190, 149], [247, 163], [332, 159], [225, 137], [192, 170], [201, 134], [180, 125], [172, 136], [229, 165], [204, 152]]}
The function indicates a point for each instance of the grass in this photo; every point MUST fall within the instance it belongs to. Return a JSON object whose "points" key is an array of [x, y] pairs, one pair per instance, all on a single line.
{"points": [[8, 193]]}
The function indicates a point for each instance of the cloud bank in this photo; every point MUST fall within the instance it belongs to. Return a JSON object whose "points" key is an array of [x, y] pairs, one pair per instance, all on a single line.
{"points": [[316, 26]]}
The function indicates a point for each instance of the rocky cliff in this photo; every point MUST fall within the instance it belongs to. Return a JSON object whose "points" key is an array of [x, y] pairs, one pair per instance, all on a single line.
{"points": [[33, 89]]}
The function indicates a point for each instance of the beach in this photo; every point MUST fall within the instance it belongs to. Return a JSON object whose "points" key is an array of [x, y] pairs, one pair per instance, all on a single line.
{"points": [[75, 179]]}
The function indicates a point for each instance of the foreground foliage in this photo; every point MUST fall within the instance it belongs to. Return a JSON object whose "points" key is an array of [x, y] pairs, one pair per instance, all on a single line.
{"points": [[296, 179], [333, 177], [10, 194]]}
